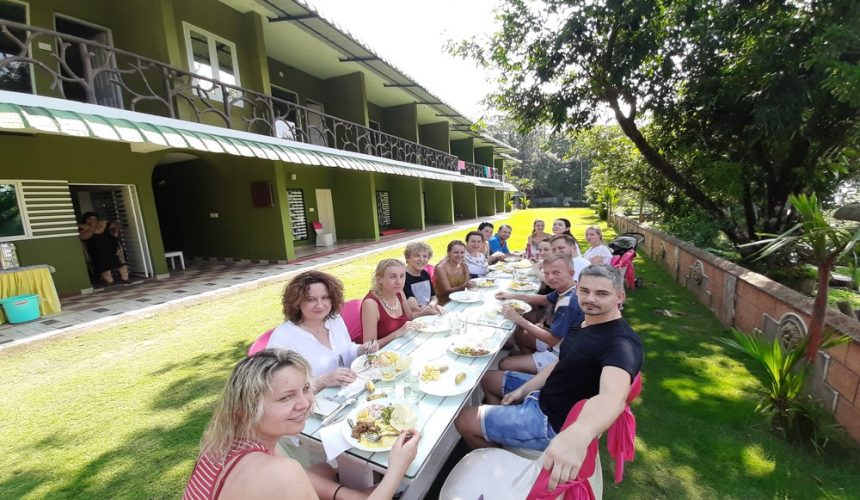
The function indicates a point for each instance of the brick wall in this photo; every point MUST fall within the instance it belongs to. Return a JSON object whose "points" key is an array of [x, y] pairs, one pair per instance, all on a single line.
{"points": [[749, 301]]}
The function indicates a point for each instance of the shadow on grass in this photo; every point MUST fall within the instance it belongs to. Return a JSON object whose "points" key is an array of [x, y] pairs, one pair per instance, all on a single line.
{"points": [[151, 462]]}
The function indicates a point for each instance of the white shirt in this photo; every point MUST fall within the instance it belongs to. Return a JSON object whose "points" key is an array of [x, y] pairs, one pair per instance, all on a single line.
{"points": [[599, 251], [579, 263], [322, 359], [477, 264]]}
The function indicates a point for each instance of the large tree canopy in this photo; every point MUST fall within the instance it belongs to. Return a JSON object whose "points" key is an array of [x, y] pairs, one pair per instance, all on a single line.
{"points": [[746, 102]]}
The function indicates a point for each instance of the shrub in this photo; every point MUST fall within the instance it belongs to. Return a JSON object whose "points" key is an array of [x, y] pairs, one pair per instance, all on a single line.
{"points": [[695, 226]]}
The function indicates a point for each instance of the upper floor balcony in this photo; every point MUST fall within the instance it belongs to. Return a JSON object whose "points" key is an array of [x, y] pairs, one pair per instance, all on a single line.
{"points": [[45, 62]]}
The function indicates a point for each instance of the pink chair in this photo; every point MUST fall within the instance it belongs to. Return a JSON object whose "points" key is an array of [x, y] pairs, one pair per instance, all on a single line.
{"points": [[620, 437], [351, 314], [261, 343], [431, 270]]}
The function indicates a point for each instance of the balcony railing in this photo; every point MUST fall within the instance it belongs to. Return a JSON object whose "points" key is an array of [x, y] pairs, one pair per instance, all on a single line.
{"points": [[476, 170], [83, 70]]}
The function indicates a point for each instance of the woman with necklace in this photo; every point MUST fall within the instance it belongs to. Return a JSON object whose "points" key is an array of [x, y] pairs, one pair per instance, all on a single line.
{"points": [[313, 328], [452, 274], [385, 313]]}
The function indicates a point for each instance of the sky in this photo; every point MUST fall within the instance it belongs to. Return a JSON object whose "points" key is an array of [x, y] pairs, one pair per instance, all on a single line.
{"points": [[411, 35]]}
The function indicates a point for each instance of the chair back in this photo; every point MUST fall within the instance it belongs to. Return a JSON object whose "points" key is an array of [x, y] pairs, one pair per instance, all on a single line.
{"points": [[351, 314], [431, 270], [261, 343]]}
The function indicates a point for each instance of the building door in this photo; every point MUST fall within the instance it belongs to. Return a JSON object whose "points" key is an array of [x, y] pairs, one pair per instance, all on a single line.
{"points": [[106, 93], [325, 211], [316, 123], [120, 204]]}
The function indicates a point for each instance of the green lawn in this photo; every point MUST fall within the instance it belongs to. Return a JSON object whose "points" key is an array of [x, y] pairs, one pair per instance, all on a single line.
{"points": [[119, 413]]}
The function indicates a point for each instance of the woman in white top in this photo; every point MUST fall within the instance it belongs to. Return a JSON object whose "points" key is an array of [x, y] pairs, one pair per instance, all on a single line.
{"points": [[314, 328], [598, 252], [475, 258]]}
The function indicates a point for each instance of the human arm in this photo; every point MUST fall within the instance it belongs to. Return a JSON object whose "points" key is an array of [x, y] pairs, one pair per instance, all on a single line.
{"points": [[258, 475], [566, 451], [443, 285], [529, 298], [337, 377], [527, 326], [535, 383]]}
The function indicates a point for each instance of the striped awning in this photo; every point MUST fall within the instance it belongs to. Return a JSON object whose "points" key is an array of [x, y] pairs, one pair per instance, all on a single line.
{"points": [[39, 114]]}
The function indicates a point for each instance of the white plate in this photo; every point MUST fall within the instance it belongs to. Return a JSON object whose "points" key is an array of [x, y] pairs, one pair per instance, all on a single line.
{"points": [[513, 258], [522, 264], [432, 324], [475, 344], [500, 275], [358, 365], [530, 287], [525, 306], [347, 430], [466, 296], [484, 282], [446, 386]]}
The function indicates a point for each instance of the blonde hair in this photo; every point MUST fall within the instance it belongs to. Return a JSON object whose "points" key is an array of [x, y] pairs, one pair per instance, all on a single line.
{"points": [[415, 247], [380, 272], [596, 230], [241, 406]]}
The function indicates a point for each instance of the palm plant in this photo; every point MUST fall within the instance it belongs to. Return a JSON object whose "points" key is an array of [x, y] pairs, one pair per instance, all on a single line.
{"points": [[784, 374], [822, 242]]}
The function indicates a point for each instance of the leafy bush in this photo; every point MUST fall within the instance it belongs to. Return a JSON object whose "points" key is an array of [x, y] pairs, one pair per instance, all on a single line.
{"points": [[695, 226]]}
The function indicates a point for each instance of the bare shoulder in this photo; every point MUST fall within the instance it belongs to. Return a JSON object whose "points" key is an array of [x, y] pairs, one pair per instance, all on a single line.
{"points": [[258, 475]]}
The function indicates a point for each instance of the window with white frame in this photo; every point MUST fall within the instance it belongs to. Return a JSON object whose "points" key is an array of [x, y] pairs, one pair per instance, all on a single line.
{"points": [[213, 57], [12, 223]]}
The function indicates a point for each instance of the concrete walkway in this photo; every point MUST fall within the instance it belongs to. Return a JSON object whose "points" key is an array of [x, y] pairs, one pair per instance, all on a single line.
{"points": [[201, 281]]}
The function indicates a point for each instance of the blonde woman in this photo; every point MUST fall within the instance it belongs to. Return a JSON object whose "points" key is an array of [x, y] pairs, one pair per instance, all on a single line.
{"points": [[268, 396], [418, 287], [536, 237], [452, 274], [385, 312], [597, 253]]}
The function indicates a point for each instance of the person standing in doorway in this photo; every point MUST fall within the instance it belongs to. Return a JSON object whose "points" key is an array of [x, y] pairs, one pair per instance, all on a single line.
{"points": [[101, 240]]}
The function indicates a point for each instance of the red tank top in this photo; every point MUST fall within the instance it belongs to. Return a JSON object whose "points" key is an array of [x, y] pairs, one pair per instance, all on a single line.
{"points": [[208, 477], [386, 323]]}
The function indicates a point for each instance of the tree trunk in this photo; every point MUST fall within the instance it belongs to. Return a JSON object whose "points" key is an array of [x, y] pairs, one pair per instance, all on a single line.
{"points": [[819, 308]]}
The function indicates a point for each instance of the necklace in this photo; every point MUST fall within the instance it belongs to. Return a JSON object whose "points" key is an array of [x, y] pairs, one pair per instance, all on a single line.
{"points": [[384, 303]]}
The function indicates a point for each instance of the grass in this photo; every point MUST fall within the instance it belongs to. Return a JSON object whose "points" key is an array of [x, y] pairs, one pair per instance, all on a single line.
{"points": [[119, 413]]}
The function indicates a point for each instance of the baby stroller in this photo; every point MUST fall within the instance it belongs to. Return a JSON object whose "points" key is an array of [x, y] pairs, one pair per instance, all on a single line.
{"points": [[623, 251]]}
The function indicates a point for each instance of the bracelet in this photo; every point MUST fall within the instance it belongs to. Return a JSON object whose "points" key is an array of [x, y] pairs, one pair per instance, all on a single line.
{"points": [[334, 497]]}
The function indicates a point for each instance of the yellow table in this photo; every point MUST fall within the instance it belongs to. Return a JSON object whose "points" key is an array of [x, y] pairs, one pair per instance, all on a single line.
{"points": [[30, 279]]}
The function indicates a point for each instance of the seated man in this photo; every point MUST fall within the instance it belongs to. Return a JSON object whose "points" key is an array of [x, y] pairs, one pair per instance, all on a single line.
{"points": [[538, 345], [598, 361], [565, 244], [499, 242]]}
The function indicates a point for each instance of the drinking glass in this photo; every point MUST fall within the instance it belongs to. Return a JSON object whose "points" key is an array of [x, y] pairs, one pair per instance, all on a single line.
{"points": [[410, 385], [454, 321], [389, 372]]}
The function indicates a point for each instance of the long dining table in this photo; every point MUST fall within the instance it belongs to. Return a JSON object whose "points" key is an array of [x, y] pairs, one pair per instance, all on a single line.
{"points": [[436, 414]]}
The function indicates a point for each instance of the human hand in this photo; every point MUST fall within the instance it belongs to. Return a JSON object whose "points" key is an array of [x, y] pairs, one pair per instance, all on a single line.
{"points": [[439, 309], [510, 313], [502, 295], [513, 397], [471, 285], [564, 457], [404, 449], [339, 376], [368, 347], [409, 325]]}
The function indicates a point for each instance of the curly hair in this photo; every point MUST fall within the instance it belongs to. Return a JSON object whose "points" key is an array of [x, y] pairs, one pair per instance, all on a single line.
{"points": [[296, 292], [416, 247]]}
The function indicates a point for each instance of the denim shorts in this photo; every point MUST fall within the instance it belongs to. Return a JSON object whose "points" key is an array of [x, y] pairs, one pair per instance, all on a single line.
{"points": [[520, 426]]}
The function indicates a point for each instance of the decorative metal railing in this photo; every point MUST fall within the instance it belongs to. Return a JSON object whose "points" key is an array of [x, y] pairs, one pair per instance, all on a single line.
{"points": [[476, 170], [74, 68]]}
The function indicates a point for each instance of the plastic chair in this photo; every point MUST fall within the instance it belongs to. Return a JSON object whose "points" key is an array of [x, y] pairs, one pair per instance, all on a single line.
{"points": [[431, 270], [351, 314], [261, 343]]}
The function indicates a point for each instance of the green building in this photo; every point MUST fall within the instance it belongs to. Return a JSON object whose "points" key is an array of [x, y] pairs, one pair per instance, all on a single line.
{"points": [[221, 129]]}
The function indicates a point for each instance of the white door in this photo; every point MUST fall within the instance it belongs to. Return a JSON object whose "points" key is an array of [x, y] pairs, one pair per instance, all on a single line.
{"points": [[325, 210], [316, 123]]}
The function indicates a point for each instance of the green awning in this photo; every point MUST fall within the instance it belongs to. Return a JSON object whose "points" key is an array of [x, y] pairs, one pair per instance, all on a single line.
{"points": [[147, 133]]}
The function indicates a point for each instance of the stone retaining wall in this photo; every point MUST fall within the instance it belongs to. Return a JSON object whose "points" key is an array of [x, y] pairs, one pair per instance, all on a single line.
{"points": [[749, 301]]}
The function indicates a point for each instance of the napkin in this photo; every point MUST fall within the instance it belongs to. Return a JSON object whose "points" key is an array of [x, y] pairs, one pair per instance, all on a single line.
{"points": [[354, 387], [333, 440]]}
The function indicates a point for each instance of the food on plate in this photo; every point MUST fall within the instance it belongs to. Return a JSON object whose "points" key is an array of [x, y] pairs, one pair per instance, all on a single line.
{"points": [[513, 258], [522, 285], [432, 372], [378, 425], [485, 283], [370, 386], [516, 306], [460, 378], [403, 363], [471, 350], [371, 397], [403, 417], [522, 264]]}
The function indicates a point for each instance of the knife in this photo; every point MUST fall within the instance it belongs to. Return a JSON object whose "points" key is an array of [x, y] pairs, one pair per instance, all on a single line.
{"points": [[337, 411]]}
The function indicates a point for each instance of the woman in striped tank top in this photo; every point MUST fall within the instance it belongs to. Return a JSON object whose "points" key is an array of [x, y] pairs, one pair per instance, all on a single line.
{"points": [[268, 396]]}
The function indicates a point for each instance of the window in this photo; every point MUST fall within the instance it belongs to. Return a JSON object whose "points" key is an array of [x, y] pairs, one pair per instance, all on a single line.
{"points": [[11, 212], [296, 202], [14, 76], [383, 208], [286, 118], [213, 57]]}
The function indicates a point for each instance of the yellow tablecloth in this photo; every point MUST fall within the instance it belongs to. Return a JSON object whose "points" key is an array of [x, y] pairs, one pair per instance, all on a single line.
{"points": [[30, 279]]}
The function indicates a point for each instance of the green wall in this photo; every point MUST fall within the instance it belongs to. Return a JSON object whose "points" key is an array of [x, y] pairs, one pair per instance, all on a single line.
{"points": [[486, 201], [189, 192], [80, 161], [374, 113], [304, 84], [309, 179], [439, 198], [465, 201], [401, 121], [464, 149], [346, 98], [484, 156], [435, 135], [406, 209], [354, 195], [500, 201]]}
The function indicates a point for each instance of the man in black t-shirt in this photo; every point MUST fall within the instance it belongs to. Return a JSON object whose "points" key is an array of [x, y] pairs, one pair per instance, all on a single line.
{"points": [[598, 362]]}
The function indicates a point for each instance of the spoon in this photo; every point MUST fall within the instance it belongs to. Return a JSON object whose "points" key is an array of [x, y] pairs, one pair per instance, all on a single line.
{"points": [[374, 437]]}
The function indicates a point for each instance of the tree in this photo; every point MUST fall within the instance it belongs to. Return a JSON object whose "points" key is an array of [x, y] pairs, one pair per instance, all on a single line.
{"points": [[747, 102], [821, 241]]}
